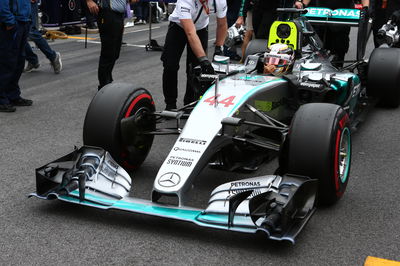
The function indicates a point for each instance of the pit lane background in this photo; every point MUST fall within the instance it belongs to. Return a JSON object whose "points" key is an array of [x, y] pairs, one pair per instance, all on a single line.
{"points": [[364, 223]]}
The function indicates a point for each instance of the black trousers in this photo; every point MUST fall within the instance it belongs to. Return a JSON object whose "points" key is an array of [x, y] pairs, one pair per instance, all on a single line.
{"points": [[262, 21], [336, 39], [111, 26], [12, 60], [175, 43]]}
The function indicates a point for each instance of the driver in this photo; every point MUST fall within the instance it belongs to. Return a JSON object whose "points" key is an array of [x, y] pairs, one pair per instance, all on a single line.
{"points": [[278, 59]]}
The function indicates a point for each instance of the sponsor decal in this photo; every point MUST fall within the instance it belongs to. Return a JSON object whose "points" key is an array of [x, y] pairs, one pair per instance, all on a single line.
{"points": [[311, 85], [193, 141], [71, 5], [170, 179], [180, 161], [339, 13], [245, 184], [186, 150]]}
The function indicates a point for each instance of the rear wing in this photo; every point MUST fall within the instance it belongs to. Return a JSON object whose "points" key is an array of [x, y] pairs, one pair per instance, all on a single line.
{"points": [[343, 17], [324, 16]]}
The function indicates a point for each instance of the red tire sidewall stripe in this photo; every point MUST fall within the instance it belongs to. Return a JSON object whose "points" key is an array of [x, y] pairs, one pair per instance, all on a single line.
{"points": [[128, 113], [342, 124], [134, 102]]}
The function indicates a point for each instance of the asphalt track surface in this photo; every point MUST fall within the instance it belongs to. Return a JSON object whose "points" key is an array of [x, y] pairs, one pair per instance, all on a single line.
{"points": [[33, 232]]}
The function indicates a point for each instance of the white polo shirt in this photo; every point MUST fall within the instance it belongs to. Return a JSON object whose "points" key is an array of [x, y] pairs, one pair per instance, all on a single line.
{"points": [[189, 9]]}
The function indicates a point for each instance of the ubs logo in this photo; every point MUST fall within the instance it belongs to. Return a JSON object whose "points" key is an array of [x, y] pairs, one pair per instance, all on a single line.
{"points": [[169, 180]]}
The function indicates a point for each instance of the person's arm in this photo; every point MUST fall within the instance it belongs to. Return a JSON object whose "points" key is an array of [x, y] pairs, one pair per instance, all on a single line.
{"points": [[222, 28], [6, 16], [193, 38], [93, 7]]}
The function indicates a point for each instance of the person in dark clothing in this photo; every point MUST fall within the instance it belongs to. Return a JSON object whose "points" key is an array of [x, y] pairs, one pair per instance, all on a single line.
{"points": [[264, 14], [14, 29], [382, 11], [232, 15], [335, 38], [189, 27], [36, 36], [110, 20]]}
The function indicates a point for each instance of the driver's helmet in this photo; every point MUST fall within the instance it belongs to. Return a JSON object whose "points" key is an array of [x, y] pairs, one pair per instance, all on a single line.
{"points": [[279, 57]]}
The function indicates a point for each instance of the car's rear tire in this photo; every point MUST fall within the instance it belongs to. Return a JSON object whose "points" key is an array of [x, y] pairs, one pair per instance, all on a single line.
{"points": [[384, 76], [319, 146], [102, 126], [256, 46]]}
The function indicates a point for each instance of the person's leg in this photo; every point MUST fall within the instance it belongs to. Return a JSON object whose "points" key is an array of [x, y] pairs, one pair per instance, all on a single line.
{"points": [[175, 42], [267, 18], [13, 90], [8, 63], [191, 62], [36, 36], [31, 57], [338, 41], [145, 9], [110, 27], [249, 33]]}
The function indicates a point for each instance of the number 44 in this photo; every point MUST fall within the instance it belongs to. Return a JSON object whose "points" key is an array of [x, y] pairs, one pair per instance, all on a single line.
{"points": [[226, 102]]}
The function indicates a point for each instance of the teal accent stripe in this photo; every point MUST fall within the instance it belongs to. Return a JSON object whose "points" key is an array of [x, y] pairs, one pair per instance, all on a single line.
{"points": [[170, 212]]}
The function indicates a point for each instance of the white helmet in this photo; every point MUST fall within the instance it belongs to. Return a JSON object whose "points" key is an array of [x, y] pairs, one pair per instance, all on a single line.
{"points": [[281, 56]]}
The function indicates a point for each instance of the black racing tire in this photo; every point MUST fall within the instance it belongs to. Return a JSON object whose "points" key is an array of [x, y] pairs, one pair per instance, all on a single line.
{"points": [[256, 46], [102, 126], [384, 76], [319, 146]]}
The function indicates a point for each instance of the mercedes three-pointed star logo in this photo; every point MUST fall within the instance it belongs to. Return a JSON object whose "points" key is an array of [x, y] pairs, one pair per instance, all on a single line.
{"points": [[169, 179]]}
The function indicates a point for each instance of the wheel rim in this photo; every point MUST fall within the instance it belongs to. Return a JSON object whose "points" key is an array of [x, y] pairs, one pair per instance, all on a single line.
{"points": [[138, 116], [344, 155]]}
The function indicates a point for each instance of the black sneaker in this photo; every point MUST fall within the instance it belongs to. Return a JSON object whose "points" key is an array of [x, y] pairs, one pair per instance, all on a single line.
{"points": [[7, 108], [170, 107], [31, 67], [21, 102]]}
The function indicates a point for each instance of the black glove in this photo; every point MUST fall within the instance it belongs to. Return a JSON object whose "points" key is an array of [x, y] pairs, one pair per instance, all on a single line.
{"points": [[395, 18], [206, 67], [219, 50]]}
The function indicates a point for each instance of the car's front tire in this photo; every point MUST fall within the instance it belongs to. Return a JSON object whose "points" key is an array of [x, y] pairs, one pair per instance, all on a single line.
{"points": [[319, 146], [103, 127]]}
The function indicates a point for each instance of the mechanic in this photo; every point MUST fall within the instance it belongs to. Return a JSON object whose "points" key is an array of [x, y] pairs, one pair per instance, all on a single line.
{"points": [[14, 29], [36, 36], [335, 38], [383, 9], [110, 21], [189, 25], [278, 59]]}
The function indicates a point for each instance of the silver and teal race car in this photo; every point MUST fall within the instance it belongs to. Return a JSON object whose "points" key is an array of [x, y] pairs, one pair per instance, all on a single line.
{"points": [[243, 118]]}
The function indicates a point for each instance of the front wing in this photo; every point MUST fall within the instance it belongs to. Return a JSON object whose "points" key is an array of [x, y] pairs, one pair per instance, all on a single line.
{"points": [[279, 206]]}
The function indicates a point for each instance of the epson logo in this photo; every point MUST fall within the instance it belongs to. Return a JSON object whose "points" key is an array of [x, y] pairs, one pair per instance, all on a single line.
{"points": [[310, 85], [193, 141]]}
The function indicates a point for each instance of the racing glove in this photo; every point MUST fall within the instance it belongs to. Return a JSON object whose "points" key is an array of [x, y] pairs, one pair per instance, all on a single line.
{"points": [[205, 64]]}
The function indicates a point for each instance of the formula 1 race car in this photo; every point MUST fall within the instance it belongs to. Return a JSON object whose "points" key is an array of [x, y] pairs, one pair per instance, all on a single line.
{"points": [[243, 119]]}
